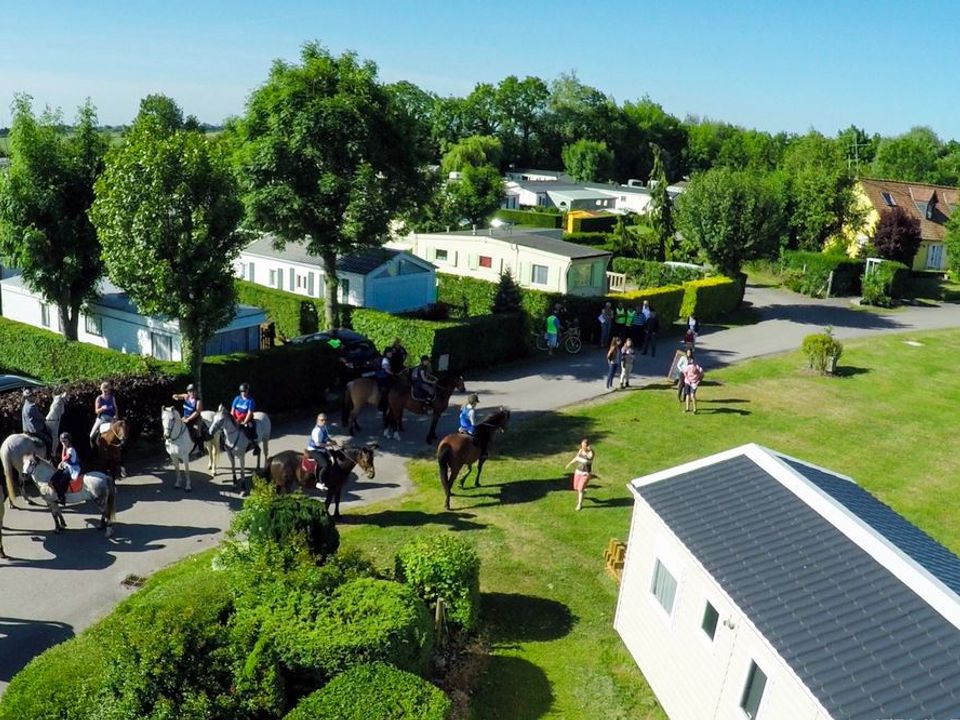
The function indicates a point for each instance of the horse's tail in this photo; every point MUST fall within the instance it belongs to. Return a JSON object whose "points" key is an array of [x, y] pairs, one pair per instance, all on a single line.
{"points": [[443, 460], [111, 512], [8, 471], [347, 405]]}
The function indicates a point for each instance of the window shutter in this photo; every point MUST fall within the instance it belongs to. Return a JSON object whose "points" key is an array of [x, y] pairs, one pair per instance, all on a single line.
{"points": [[472, 262], [431, 253], [524, 278], [293, 280], [252, 275], [310, 284], [455, 258], [500, 266]]}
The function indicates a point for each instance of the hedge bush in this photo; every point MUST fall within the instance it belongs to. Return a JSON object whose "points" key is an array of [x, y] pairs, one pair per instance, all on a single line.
{"points": [[293, 314], [530, 218], [667, 301], [710, 298], [467, 296], [375, 690], [443, 566], [809, 272], [821, 349], [592, 239], [293, 520], [651, 274], [885, 284]]}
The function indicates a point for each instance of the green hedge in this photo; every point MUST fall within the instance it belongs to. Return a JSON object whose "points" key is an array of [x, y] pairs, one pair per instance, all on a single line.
{"points": [[467, 297], [281, 378], [293, 314], [443, 567], [809, 272], [592, 239], [886, 283], [530, 218], [599, 224], [710, 298], [375, 690], [651, 274]]}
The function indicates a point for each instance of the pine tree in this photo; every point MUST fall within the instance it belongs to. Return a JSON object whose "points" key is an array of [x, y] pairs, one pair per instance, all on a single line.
{"points": [[661, 207], [507, 299]]}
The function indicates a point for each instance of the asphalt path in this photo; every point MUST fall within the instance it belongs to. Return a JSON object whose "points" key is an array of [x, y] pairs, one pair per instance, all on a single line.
{"points": [[55, 585]]}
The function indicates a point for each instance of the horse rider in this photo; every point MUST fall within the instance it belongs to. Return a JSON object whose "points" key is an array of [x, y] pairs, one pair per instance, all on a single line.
{"points": [[34, 423], [106, 410], [386, 377], [192, 418], [67, 470], [322, 448], [398, 357], [424, 381], [242, 409], [468, 417]]}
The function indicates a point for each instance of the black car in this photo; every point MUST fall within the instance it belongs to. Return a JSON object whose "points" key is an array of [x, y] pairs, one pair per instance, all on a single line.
{"points": [[358, 355], [9, 383]]}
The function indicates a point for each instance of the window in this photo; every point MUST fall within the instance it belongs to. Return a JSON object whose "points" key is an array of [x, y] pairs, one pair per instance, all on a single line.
{"points": [[710, 617], [538, 275], [753, 692], [273, 278], [486, 261], [663, 587], [93, 324], [888, 199], [44, 314], [441, 254], [161, 346]]}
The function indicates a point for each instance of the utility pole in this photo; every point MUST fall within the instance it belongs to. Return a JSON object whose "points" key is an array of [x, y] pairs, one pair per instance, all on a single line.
{"points": [[853, 161]]}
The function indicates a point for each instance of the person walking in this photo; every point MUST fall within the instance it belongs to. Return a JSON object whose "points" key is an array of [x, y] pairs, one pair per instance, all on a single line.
{"points": [[692, 376], [584, 470], [613, 361], [627, 353], [652, 329], [606, 324], [552, 333], [638, 322], [681, 366]]}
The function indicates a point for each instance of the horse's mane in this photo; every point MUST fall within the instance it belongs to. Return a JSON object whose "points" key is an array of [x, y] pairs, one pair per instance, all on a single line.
{"points": [[494, 419]]}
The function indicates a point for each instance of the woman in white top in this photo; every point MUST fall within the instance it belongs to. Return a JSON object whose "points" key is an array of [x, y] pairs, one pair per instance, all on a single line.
{"points": [[584, 471]]}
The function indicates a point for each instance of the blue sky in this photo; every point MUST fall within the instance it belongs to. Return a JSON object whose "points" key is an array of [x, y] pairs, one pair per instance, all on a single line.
{"points": [[773, 65]]}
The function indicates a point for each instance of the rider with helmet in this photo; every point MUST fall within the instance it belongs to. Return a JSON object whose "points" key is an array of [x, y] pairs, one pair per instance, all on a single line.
{"points": [[34, 423], [67, 470], [192, 418], [322, 448], [106, 410], [424, 381], [398, 357], [242, 409], [468, 417]]}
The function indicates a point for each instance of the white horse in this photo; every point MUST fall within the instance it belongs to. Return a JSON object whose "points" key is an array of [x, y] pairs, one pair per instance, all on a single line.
{"points": [[179, 443], [96, 486], [17, 446], [237, 443], [212, 445]]}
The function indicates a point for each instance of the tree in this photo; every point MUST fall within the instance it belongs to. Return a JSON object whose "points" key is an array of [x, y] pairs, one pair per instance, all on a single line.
{"points": [[587, 160], [475, 195], [44, 198], [476, 150], [521, 107], [661, 207], [731, 217], [328, 157], [507, 299], [167, 209], [897, 236], [911, 156]]}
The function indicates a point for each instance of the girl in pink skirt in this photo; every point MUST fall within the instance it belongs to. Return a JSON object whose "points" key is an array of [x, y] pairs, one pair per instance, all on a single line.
{"points": [[584, 470]]}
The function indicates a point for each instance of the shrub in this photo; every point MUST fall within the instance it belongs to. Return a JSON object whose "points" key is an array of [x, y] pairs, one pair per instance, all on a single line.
{"points": [[375, 690], [665, 300], [530, 218], [651, 274], [507, 297], [291, 520], [447, 567], [293, 314], [809, 273], [885, 283], [823, 350], [593, 239], [710, 298], [471, 296]]}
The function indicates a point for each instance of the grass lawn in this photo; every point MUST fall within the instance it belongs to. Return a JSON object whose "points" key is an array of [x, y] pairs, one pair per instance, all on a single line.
{"points": [[888, 420]]}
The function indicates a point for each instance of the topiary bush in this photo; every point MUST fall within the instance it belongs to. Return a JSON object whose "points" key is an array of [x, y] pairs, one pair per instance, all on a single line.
{"points": [[710, 298], [885, 283], [823, 351], [293, 314], [652, 274], [375, 690], [443, 566]]}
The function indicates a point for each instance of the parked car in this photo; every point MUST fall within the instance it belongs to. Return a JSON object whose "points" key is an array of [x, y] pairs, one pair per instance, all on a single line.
{"points": [[9, 383], [358, 355]]}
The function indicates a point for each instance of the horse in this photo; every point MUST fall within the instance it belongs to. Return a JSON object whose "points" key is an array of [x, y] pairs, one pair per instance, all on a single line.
{"points": [[401, 397], [110, 444], [458, 449], [96, 486], [356, 394], [291, 470], [236, 441], [17, 446]]}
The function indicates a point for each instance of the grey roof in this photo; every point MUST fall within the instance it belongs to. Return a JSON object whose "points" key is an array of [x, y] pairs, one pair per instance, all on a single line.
{"points": [[545, 239], [865, 644], [358, 263]]}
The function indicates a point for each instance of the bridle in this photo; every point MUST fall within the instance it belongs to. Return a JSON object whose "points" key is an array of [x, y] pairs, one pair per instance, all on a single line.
{"points": [[355, 454], [226, 434], [168, 431], [117, 440]]}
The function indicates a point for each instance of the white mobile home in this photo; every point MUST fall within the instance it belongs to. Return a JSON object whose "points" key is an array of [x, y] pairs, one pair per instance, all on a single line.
{"points": [[538, 258], [114, 322], [759, 586], [380, 278]]}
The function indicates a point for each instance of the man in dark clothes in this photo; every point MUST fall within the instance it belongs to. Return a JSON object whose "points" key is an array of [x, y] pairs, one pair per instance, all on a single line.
{"points": [[652, 330], [34, 423]]}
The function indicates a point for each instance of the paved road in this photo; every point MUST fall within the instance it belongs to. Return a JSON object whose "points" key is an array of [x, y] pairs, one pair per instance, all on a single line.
{"points": [[56, 585]]}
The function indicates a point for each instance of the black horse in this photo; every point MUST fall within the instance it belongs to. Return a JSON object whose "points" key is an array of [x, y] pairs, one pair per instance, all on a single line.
{"points": [[291, 470]]}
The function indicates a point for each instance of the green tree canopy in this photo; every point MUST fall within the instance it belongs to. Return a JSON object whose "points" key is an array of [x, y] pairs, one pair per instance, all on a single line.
{"points": [[476, 151], [328, 157], [167, 211], [44, 199], [911, 156], [661, 206], [588, 160]]}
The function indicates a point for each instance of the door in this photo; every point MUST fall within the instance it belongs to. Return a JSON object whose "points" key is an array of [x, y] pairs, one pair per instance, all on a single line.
{"points": [[935, 257]]}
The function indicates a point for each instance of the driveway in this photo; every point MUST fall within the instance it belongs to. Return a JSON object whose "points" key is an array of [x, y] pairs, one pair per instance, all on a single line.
{"points": [[56, 585]]}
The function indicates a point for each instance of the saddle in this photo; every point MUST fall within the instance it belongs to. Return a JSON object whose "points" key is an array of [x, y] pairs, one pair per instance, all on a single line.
{"points": [[308, 464], [76, 486]]}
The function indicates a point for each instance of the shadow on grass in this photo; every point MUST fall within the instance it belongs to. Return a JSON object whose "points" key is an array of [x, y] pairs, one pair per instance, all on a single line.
{"points": [[849, 371], [513, 618], [600, 503], [514, 688], [548, 434], [24, 639], [524, 491], [415, 518]]}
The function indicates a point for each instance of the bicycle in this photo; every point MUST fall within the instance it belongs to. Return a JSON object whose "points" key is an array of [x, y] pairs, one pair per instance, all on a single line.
{"points": [[569, 340]]}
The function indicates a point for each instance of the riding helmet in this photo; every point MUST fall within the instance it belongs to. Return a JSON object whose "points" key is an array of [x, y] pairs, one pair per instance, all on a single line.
{"points": [[65, 437], [190, 387], [473, 399], [27, 392], [244, 387]]}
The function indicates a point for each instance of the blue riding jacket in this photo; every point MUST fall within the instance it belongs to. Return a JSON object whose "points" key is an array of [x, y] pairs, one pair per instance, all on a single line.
{"points": [[467, 419]]}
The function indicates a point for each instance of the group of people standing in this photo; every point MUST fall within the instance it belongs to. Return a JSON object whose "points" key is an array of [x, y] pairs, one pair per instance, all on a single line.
{"points": [[627, 331]]}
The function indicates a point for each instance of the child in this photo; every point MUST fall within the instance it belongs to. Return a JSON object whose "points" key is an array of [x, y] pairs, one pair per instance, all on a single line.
{"points": [[67, 470], [584, 471]]}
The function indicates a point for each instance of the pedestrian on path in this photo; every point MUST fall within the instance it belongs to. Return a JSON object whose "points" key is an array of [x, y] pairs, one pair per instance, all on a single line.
{"points": [[650, 337], [638, 322], [606, 324], [584, 470], [613, 361], [681, 366], [626, 363], [552, 333], [692, 376]]}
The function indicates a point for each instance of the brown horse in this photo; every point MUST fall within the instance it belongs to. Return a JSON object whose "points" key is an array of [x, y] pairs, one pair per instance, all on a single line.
{"points": [[401, 398], [110, 446], [457, 450], [356, 394], [291, 470]]}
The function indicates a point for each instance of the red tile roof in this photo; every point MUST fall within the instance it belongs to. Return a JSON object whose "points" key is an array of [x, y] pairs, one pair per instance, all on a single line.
{"points": [[907, 195]]}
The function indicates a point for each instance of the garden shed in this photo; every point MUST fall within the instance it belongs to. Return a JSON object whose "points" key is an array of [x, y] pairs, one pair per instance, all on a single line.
{"points": [[758, 585]]}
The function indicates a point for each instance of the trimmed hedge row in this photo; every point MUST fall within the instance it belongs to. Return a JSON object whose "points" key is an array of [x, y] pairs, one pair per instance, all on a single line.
{"points": [[293, 314], [592, 239], [809, 273], [710, 298], [530, 218], [651, 274], [599, 224], [443, 567], [375, 690]]}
